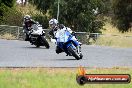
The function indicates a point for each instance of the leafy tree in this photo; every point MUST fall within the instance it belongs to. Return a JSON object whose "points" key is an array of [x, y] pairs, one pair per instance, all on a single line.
{"points": [[122, 14], [13, 17], [42, 19], [42, 5], [77, 14], [5, 6]]}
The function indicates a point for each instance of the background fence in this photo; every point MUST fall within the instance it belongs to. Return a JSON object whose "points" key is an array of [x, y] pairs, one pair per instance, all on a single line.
{"points": [[16, 32]]}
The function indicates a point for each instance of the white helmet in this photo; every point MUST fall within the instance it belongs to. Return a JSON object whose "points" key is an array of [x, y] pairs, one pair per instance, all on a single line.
{"points": [[27, 17], [53, 22]]}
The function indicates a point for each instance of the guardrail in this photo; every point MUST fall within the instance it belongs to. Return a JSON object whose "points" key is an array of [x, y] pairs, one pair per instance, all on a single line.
{"points": [[12, 30], [17, 32]]}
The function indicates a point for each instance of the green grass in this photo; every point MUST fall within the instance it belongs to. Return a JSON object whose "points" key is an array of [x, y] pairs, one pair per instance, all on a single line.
{"points": [[114, 41], [110, 29], [55, 78], [120, 40]]}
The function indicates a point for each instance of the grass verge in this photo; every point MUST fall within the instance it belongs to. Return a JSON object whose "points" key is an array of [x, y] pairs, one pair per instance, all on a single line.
{"points": [[55, 77], [7, 36], [112, 37], [114, 41]]}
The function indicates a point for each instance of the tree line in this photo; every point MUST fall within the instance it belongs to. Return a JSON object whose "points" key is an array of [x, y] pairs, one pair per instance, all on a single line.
{"points": [[80, 15]]}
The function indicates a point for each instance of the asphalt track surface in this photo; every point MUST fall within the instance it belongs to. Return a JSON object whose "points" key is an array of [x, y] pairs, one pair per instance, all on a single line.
{"points": [[14, 53]]}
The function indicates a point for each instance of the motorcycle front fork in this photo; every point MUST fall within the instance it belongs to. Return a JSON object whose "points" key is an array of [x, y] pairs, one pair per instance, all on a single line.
{"points": [[79, 49]]}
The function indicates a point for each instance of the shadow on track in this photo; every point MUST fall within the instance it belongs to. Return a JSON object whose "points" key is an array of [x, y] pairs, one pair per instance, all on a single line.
{"points": [[34, 47], [64, 59]]}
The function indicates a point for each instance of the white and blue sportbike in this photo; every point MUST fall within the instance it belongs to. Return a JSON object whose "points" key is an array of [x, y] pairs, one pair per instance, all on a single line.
{"points": [[67, 43]]}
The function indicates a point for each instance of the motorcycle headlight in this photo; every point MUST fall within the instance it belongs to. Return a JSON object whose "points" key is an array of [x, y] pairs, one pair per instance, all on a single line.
{"points": [[31, 31], [23, 31], [43, 32]]}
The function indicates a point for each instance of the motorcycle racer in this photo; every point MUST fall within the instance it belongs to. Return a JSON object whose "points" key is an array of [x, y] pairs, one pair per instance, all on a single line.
{"points": [[56, 28], [27, 23]]}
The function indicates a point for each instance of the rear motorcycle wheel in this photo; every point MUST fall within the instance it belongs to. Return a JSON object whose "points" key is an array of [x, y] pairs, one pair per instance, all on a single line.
{"points": [[74, 53], [45, 42]]}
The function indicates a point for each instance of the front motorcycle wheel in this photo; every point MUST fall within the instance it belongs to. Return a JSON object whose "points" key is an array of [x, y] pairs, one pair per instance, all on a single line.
{"points": [[45, 42], [74, 53]]}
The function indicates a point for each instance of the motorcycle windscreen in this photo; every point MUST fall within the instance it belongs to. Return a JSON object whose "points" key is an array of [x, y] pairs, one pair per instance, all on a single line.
{"points": [[36, 30], [34, 27], [63, 36]]}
